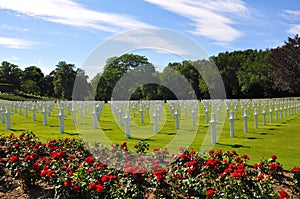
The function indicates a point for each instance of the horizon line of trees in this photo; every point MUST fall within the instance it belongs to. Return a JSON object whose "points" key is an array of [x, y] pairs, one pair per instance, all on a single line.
{"points": [[246, 74]]}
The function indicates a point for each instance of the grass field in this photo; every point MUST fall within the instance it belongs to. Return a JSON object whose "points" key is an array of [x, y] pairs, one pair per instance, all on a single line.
{"points": [[279, 137]]}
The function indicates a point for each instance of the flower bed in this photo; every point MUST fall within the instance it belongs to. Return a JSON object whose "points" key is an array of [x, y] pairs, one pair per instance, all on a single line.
{"points": [[66, 167]]}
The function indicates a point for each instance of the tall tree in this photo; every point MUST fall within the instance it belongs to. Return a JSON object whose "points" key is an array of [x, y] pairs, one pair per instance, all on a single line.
{"points": [[285, 66], [64, 77], [81, 87], [10, 77], [32, 81], [114, 69], [253, 74]]}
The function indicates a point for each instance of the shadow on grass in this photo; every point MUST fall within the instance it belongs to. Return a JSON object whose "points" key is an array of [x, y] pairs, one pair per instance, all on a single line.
{"points": [[169, 133], [141, 139], [71, 133], [15, 130], [234, 145], [253, 138], [263, 133], [106, 129]]}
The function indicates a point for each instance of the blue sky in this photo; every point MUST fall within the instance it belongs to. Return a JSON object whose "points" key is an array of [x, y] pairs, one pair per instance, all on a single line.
{"points": [[44, 32]]}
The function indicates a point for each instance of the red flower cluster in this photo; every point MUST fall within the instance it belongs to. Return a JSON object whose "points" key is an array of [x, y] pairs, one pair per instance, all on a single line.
{"points": [[283, 194], [159, 174], [210, 193], [274, 157], [275, 166], [295, 169], [90, 160], [57, 155], [14, 159]]}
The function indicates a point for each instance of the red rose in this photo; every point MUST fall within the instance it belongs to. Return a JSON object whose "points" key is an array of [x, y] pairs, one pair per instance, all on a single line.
{"points": [[260, 177], [68, 183], [191, 170], [105, 178], [210, 193], [283, 194], [123, 144], [13, 159], [92, 186], [274, 157], [76, 188], [245, 157], [295, 169], [159, 174], [99, 188], [89, 160]]}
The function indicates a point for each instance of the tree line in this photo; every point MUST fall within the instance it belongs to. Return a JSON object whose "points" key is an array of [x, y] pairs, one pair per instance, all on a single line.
{"points": [[246, 74]]}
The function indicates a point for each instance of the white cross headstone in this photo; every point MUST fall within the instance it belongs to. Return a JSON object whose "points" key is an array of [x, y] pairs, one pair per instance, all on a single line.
{"points": [[74, 112], [213, 123], [121, 116], [8, 114], [33, 112], [231, 120], [26, 107], [176, 115], [271, 115], [155, 119], [255, 118], [206, 115], [20, 106], [2, 109], [141, 115], [264, 116], [134, 109], [61, 117], [80, 110], [245, 117], [280, 114], [44, 112], [194, 114], [127, 125], [95, 119]]}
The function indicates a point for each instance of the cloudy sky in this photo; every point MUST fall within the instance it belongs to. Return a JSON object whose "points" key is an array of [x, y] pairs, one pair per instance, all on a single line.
{"points": [[44, 32]]}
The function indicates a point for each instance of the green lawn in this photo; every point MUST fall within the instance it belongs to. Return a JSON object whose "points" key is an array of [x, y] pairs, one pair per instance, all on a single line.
{"points": [[280, 137]]}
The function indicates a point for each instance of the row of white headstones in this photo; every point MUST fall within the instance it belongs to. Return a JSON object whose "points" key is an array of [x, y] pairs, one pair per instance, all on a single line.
{"points": [[125, 111], [212, 109], [64, 108], [280, 107]]}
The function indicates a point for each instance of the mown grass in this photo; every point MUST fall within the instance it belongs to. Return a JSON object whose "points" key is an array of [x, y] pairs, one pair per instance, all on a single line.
{"points": [[279, 137]]}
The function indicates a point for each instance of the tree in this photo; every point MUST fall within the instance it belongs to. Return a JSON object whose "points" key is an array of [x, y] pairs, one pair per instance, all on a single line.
{"points": [[81, 87], [285, 66], [10, 77], [114, 69], [32, 81], [253, 74], [64, 77], [190, 73]]}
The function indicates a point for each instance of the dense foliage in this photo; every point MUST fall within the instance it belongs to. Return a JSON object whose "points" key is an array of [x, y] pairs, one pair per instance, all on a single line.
{"points": [[246, 74], [71, 171]]}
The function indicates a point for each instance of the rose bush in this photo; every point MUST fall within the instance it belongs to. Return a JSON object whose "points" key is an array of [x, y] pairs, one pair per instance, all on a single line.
{"points": [[65, 166]]}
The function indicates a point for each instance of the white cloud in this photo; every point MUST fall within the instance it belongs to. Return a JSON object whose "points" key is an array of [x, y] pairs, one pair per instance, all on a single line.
{"points": [[16, 43], [294, 29], [13, 28], [211, 19], [68, 12], [150, 38], [294, 17]]}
